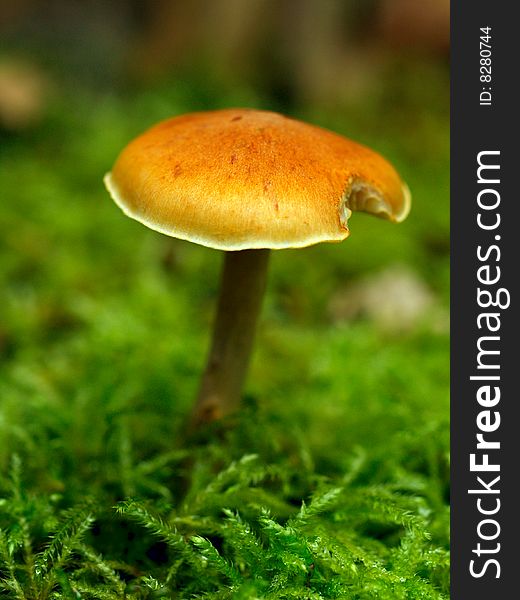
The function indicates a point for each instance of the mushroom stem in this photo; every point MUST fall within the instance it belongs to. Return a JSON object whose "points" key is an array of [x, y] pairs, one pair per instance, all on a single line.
{"points": [[242, 289]]}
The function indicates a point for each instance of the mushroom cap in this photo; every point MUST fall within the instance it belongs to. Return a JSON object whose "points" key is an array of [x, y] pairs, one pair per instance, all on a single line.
{"points": [[239, 179]]}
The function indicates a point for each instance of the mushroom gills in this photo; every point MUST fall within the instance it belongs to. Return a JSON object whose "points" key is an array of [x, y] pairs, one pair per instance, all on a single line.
{"points": [[361, 197]]}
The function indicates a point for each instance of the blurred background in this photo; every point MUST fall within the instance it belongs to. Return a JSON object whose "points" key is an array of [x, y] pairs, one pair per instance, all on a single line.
{"points": [[101, 316]]}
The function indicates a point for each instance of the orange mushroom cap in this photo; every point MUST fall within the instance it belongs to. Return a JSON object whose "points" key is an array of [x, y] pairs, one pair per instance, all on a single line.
{"points": [[239, 179]]}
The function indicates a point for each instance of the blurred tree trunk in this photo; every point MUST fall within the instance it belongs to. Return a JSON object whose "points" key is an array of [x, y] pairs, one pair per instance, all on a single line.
{"points": [[416, 25], [316, 44]]}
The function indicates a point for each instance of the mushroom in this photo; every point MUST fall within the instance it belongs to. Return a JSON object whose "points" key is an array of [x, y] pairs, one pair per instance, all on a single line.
{"points": [[246, 182]]}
